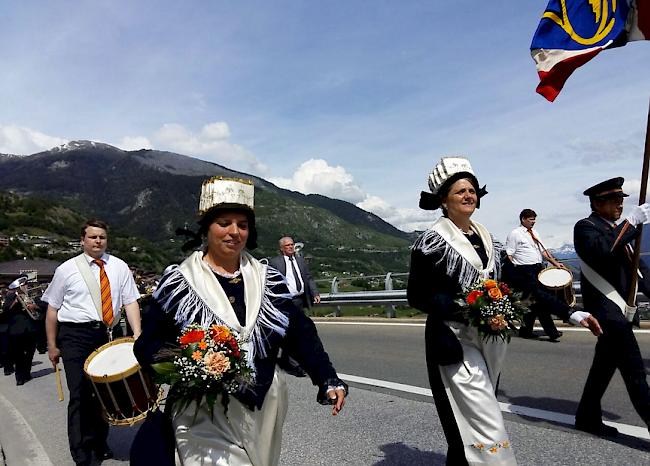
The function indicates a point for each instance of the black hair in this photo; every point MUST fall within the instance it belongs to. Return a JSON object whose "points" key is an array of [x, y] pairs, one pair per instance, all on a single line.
{"points": [[527, 213]]}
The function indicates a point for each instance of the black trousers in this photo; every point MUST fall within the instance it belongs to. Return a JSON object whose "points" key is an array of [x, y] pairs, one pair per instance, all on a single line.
{"points": [[21, 348], [5, 356], [455, 446], [616, 348], [41, 336], [524, 279], [87, 430]]}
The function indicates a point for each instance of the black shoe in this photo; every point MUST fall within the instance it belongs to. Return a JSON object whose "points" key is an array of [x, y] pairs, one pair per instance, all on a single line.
{"points": [[528, 334], [555, 338], [20, 382], [8, 371], [601, 430], [104, 454]]}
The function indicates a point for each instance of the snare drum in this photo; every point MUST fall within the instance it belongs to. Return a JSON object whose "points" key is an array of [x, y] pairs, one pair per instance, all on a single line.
{"points": [[559, 282], [125, 392]]}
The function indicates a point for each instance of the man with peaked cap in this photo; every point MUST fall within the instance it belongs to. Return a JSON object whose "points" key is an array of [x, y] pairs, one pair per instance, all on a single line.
{"points": [[21, 330], [604, 248]]}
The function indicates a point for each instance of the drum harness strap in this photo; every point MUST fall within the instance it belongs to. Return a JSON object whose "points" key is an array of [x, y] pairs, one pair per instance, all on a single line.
{"points": [[93, 287], [540, 246]]}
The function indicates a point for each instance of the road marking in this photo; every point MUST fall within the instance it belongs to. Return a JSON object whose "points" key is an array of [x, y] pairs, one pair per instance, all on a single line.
{"points": [[408, 324], [20, 441], [560, 418], [394, 324]]}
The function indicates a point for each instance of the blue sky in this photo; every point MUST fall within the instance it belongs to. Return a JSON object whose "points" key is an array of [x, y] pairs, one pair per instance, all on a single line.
{"points": [[355, 100]]}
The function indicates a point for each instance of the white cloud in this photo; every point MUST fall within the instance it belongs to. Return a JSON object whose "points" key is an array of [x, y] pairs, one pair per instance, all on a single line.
{"points": [[633, 188], [211, 143], [404, 219], [134, 143], [316, 176], [21, 140]]}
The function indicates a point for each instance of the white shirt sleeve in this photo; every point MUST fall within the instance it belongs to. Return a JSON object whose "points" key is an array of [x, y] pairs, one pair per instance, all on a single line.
{"points": [[55, 291], [511, 243], [130, 291]]}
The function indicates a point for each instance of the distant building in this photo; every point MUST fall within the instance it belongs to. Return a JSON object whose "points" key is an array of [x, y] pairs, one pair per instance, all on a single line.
{"points": [[11, 270], [4, 241]]}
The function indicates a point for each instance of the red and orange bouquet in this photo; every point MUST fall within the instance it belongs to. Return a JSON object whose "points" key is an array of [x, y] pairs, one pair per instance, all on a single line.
{"points": [[208, 363], [492, 308]]}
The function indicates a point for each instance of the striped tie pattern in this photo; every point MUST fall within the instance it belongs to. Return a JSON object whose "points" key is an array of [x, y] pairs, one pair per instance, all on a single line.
{"points": [[107, 301]]}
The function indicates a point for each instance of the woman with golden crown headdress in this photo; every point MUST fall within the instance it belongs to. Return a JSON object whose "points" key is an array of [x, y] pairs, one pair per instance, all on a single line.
{"points": [[224, 285]]}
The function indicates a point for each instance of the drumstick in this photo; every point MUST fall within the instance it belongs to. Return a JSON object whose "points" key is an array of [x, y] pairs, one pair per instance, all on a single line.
{"points": [[59, 388]]}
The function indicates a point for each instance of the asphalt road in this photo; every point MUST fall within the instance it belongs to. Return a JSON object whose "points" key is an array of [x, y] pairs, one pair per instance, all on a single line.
{"points": [[538, 374], [380, 427]]}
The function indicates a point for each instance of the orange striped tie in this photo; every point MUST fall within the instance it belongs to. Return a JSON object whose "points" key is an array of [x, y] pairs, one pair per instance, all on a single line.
{"points": [[107, 301]]}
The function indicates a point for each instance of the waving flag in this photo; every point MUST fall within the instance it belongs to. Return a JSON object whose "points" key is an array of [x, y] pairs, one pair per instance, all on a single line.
{"points": [[572, 32]]}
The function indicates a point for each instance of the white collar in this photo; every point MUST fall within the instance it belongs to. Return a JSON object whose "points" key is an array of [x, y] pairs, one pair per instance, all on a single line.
{"points": [[201, 278], [90, 259], [459, 242]]}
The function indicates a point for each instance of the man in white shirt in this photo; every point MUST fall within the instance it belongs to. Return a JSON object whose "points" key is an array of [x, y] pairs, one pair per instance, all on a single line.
{"points": [[526, 255], [84, 301]]}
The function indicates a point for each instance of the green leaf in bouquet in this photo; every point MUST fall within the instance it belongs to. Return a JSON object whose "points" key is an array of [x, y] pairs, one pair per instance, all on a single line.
{"points": [[164, 368]]}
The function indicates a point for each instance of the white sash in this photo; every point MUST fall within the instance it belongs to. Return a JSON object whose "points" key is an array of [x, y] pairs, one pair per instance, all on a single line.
{"points": [[608, 290], [91, 282], [93, 287]]}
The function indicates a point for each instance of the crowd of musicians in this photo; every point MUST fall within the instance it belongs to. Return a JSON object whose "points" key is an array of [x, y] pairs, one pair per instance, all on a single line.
{"points": [[262, 303]]}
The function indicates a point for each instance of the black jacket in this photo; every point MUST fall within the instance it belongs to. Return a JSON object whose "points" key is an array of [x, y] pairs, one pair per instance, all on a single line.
{"points": [[593, 238], [16, 317], [311, 289], [301, 342]]}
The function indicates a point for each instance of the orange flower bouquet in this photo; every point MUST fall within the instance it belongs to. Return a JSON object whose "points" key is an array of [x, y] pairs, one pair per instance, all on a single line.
{"points": [[208, 363], [492, 308]]}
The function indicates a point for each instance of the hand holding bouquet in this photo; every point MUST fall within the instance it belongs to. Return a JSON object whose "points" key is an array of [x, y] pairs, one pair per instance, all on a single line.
{"points": [[208, 363], [492, 308]]}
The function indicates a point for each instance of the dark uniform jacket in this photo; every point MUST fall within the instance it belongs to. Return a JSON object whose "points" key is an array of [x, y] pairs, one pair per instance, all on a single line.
{"points": [[16, 317], [311, 289], [593, 238]]}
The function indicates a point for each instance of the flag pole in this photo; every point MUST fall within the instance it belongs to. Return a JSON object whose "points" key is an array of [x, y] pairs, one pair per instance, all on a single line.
{"points": [[631, 299]]}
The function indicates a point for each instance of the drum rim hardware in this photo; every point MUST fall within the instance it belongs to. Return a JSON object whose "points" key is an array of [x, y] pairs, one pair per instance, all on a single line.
{"points": [[120, 419]]}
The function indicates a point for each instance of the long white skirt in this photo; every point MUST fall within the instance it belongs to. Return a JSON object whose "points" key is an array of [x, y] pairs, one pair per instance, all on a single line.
{"points": [[240, 438], [470, 388]]}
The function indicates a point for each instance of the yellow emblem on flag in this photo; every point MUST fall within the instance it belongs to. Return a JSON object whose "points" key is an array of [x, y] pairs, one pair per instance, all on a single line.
{"points": [[601, 12]]}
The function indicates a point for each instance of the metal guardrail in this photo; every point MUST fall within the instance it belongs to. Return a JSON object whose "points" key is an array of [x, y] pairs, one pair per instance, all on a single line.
{"points": [[391, 298]]}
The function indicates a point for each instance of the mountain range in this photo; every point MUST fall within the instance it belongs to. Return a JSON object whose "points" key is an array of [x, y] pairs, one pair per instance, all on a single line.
{"points": [[149, 193]]}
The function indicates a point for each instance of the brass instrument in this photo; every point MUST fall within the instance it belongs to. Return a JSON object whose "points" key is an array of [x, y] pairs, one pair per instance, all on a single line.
{"points": [[27, 298]]}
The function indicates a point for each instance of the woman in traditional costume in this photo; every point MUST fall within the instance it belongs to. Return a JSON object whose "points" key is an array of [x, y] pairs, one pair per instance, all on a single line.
{"points": [[225, 285], [447, 259]]}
